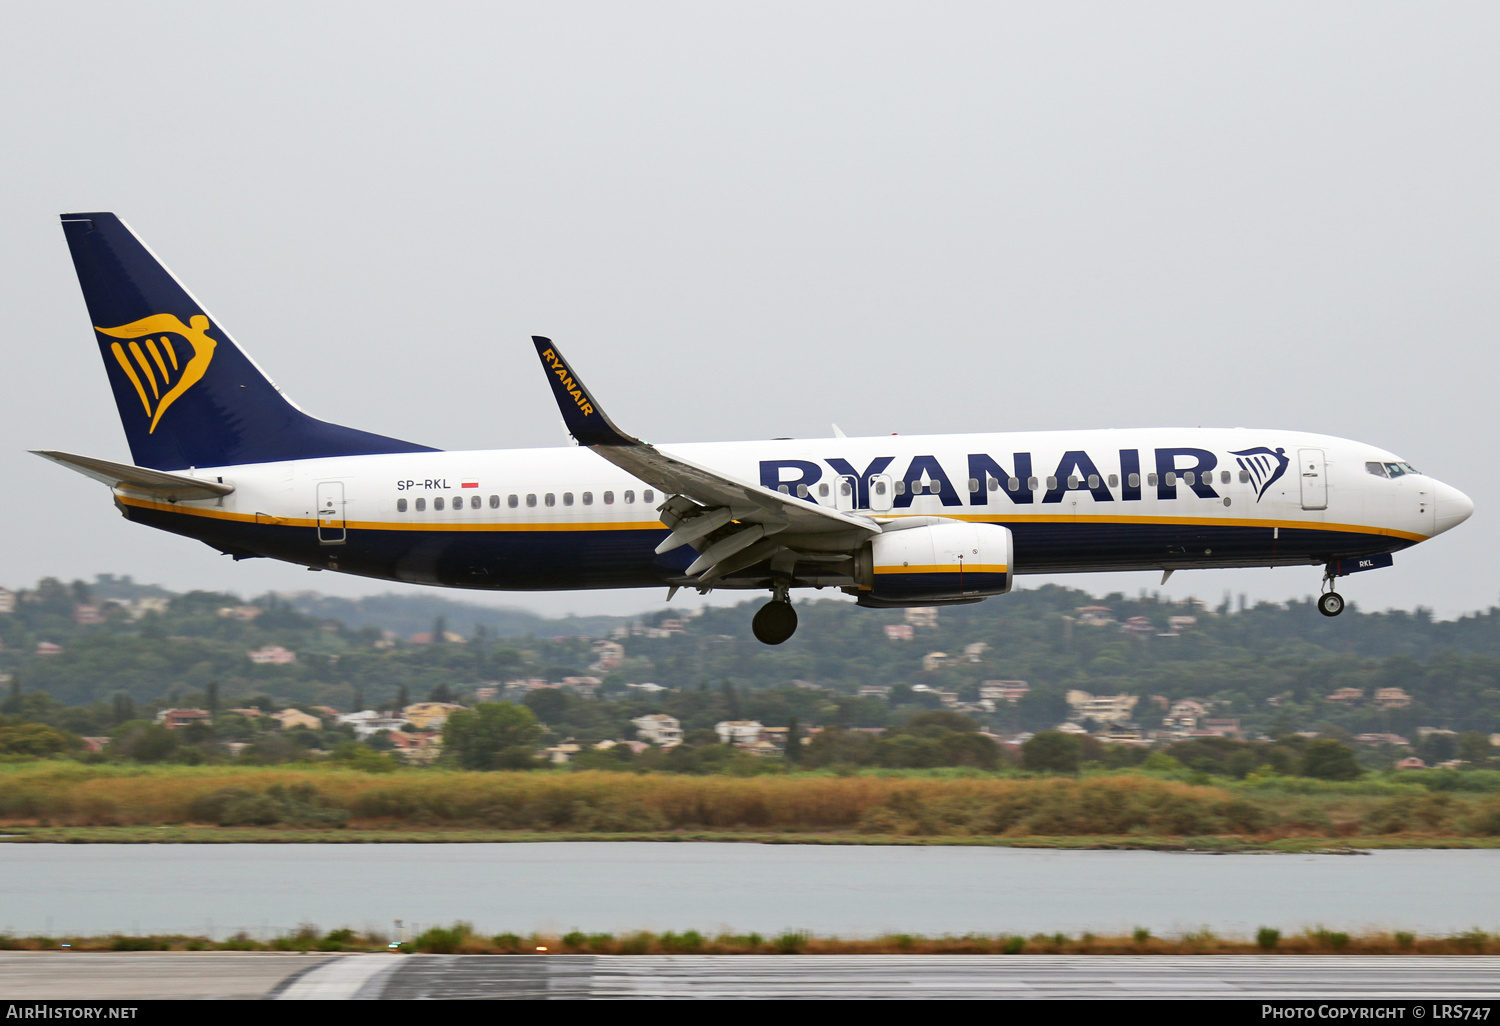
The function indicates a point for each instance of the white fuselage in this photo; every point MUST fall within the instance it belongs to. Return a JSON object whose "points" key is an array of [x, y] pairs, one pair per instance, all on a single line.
{"points": [[1075, 501]]}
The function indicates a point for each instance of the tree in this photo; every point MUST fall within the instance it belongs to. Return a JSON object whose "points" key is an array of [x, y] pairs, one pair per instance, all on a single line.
{"points": [[549, 704], [1329, 760], [34, 739], [1051, 751], [1474, 748], [495, 735], [793, 741]]}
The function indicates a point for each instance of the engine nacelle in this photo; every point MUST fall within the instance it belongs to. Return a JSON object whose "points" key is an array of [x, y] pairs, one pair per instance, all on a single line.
{"points": [[939, 562]]}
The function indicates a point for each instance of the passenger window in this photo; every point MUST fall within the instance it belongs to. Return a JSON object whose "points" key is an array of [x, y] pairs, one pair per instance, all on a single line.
{"points": [[1188, 478], [531, 499], [1135, 480], [823, 490], [899, 487], [1031, 484], [648, 495], [1013, 484], [1245, 476], [973, 484], [934, 486], [588, 498], [879, 487], [421, 505], [1151, 480], [400, 505], [1114, 481], [995, 483], [513, 501], [494, 502], [1051, 484], [1072, 480], [437, 503], [802, 491], [783, 489], [1171, 479], [475, 502], [629, 496], [458, 502], [550, 499], [1093, 481], [567, 498], [609, 498], [1223, 477]]}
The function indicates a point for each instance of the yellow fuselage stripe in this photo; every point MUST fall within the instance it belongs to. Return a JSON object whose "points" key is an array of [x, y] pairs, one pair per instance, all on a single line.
{"points": [[947, 568], [656, 525]]}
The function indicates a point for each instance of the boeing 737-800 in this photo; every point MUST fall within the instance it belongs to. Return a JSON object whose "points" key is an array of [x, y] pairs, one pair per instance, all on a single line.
{"points": [[222, 456]]}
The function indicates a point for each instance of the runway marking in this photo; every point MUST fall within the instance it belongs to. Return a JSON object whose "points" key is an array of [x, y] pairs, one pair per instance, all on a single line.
{"points": [[348, 977]]}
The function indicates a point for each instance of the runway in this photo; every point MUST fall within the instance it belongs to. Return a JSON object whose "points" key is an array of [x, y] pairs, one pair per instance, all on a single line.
{"points": [[291, 977]]}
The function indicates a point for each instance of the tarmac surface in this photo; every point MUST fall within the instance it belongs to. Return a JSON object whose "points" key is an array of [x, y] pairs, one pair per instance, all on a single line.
{"points": [[287, 976]]}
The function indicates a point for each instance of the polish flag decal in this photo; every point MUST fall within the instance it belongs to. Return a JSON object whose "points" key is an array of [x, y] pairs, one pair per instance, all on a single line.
{"points": [[471, 484]]}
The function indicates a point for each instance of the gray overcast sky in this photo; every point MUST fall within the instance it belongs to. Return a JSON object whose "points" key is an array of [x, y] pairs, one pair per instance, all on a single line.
{"points": [[751, 220]]}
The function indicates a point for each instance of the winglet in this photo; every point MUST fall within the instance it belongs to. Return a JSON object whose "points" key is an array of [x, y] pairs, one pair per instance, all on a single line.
{"points": [[585, 420]]}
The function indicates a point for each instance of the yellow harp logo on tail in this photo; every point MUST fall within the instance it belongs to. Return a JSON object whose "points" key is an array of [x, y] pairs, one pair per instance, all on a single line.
{"points": [[152, 363]]}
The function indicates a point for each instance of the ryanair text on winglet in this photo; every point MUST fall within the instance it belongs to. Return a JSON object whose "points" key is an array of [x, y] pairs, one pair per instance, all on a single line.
{"points": [[569, 385]]}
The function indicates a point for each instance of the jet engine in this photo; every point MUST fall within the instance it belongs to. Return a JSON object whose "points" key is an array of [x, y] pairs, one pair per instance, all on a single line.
{"points": [[933, 561]]}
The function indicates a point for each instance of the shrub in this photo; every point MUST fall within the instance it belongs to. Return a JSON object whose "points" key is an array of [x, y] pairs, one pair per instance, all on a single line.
{"points": [[438, 940], [295, 804], [790, 943], [1266, 938]]}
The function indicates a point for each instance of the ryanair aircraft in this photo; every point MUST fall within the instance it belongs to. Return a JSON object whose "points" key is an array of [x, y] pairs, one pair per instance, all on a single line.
{"points": [[222, 456]]}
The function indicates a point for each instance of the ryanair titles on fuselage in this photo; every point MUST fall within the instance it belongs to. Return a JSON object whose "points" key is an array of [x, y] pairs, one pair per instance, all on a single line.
{"points": [[1168, 468]]}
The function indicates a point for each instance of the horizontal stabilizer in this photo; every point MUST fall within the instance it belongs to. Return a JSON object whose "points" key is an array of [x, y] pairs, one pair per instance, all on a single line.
{"points": [[139, 479]]}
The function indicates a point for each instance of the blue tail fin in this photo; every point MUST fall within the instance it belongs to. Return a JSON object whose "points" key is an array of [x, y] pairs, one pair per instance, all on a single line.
{"points": [[187, 395]]}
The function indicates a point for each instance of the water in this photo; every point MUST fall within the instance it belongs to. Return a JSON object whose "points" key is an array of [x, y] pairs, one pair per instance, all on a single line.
{"points": [[614, 887]]}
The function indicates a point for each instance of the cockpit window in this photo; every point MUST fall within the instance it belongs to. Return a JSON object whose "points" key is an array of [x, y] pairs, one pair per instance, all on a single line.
{"points": [[1378, 469], [1397, 469]]}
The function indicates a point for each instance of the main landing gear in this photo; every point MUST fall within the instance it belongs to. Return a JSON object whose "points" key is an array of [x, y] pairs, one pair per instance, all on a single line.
{"points": [[1330, 603], [775, 621]]}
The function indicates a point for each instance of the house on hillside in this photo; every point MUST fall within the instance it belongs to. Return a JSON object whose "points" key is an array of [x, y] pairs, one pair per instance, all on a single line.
{"points": [[175, 718], [430, 715], [738, 732], [1101, 708], [368, 721], [1095, 616], [659, 729], [922, 616], [272, 655], [289, 718], [1004, 690]]}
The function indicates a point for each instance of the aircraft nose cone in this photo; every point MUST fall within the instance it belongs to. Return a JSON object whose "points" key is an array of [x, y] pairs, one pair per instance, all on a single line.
{"points": [[1453, 507]]}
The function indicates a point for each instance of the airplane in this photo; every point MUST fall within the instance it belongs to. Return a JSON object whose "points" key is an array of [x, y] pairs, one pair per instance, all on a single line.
{"points": [[221, 455]]}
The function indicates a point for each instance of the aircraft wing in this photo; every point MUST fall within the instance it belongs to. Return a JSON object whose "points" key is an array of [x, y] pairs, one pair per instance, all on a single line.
{"points": [[139, 479], [729, 521]]}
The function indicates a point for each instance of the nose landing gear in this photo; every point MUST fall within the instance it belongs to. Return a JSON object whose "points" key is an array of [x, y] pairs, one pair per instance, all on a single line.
{"points": [[776, 621], [1330, 603]]}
